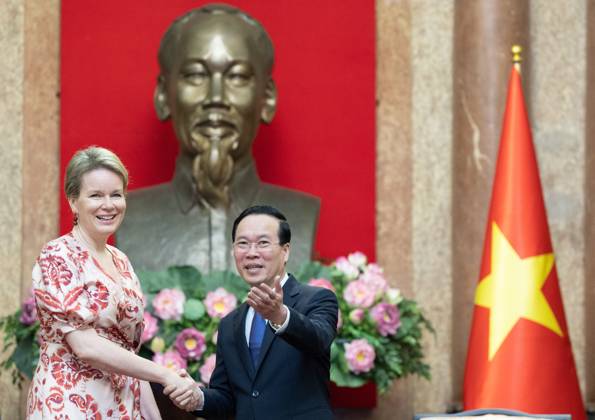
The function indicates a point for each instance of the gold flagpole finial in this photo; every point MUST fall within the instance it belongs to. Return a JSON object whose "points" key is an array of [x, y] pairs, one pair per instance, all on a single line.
{"points": [[516, 56]]}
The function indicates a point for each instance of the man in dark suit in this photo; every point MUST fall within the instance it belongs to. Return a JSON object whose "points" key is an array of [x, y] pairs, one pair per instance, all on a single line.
{"points": [[273, 351]]}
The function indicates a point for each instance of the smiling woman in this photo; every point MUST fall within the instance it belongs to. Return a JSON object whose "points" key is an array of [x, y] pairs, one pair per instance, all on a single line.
{"points": [[90, 308]]}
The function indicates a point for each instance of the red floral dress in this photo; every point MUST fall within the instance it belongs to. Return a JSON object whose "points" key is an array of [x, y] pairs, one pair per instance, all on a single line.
{"points": [[73, 292]]}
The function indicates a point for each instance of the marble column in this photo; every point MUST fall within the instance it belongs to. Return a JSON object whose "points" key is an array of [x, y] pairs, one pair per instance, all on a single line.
{"points": [[11, 149], [394, 175], [483, 35], [589, 283], [29, 152]]}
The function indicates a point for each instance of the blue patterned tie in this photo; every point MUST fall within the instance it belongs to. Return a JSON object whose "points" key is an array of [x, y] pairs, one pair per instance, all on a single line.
{"points": [[256, 336]]}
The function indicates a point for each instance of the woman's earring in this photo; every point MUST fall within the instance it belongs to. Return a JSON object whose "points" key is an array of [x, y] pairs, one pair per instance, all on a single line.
{"points": [[75, 220]]}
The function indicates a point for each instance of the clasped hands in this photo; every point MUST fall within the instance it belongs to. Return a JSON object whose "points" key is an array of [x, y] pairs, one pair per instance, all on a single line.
{"points": [[183, 391]]}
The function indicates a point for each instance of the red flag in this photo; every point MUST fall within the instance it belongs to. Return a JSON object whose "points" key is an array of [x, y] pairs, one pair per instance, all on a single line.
{"points": [[519, 354]]}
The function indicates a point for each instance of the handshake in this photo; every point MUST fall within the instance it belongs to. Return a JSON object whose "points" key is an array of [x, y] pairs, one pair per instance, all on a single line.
{"points": [[183, 391]]}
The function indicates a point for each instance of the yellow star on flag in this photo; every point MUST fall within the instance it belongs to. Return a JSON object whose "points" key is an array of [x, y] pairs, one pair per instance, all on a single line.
{"points": [[512, 290]]}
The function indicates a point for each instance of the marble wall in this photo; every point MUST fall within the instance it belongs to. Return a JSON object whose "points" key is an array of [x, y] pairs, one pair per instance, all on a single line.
{"points": [[441, 82], [29, 152]]}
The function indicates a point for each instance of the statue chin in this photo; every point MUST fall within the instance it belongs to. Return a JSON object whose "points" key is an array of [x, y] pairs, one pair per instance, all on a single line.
{"points": [[212, 173]]}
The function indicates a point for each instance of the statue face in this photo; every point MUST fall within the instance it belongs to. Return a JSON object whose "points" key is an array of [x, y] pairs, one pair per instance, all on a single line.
{"points": [[218, 90]]}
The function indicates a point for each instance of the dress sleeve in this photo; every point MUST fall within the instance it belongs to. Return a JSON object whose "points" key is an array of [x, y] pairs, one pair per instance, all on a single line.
{"points": [[64, 301]]}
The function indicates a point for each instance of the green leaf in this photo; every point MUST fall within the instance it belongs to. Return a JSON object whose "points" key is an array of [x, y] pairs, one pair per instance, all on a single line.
{"points": [[193, 309], [25, 356], [345, 379], [185, 278]]}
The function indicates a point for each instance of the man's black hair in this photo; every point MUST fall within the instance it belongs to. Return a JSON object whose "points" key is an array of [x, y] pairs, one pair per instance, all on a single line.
{"points": [[284, 230]]}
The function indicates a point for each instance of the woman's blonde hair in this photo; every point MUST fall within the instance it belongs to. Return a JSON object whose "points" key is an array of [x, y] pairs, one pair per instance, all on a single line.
{"points": [[87, 160]]}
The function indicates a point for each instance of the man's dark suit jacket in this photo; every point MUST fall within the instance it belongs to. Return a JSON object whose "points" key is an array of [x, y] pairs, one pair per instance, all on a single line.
{"points": [[291, 378]]}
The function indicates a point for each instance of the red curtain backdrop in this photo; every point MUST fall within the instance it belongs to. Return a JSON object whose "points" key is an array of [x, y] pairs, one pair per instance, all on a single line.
{"points": [[322, 140]]}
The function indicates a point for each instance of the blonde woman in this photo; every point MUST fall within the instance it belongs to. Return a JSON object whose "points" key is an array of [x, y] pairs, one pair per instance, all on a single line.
{"points": [[90, 308]]}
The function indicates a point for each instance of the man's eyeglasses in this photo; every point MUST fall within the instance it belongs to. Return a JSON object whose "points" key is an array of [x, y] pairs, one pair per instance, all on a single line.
{"points": [[262, 245]]}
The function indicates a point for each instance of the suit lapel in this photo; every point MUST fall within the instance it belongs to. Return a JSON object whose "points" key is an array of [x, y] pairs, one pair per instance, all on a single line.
{"points": [[239, 328], [290, 293]]}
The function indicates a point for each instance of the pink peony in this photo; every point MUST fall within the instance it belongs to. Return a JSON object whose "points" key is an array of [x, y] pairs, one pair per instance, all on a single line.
{"points": [[190, 344], [207, 369], [357, 316], [169, 304], [220, 302], [359, 294], [150, 329], [387, 318], [170, 359], [360, 356], [357, 259], [344, 266], [324, 283], [28, 311], [374, 279]]}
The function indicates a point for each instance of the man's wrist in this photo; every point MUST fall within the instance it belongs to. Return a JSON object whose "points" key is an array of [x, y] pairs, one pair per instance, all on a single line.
{"points": [[277, 322]]}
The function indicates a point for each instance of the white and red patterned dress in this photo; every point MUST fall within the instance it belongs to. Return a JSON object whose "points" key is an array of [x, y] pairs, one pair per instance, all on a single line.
{"points": [[72, 292]]}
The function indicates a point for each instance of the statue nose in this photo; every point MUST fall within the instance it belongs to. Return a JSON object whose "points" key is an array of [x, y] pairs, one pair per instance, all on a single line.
{"points": [[216, 89]]}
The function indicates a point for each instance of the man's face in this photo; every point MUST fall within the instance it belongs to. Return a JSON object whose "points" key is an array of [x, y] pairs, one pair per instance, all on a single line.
{"points": [[216, 89], [259, 257]]}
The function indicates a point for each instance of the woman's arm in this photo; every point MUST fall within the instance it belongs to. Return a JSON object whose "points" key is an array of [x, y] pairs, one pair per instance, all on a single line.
{"points": [[148, 405], [106, 355]]}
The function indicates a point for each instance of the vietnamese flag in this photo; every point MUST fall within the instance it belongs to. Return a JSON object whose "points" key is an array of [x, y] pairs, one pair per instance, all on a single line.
{"points": [[519, 354]]}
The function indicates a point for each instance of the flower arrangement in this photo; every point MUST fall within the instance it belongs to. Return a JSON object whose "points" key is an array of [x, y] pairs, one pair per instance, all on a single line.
{"points": [[378, 334]]}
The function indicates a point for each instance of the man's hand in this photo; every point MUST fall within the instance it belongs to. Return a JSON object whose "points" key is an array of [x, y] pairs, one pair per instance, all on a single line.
{"points": [[183, 391], [268, 301]]}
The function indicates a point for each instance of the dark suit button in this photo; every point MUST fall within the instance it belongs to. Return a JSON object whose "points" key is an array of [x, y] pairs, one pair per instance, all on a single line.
{"points": [[255, 394]]}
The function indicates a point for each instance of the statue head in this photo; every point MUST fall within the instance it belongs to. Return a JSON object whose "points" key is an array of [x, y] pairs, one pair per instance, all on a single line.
{"points": [[215, 84]]}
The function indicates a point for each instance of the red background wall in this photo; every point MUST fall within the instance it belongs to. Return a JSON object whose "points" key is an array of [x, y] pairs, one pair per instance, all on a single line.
{"points": [[321, 141]]}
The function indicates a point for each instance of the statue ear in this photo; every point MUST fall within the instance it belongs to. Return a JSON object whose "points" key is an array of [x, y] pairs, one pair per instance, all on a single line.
{"points": [[270, 102], [160, 100]]}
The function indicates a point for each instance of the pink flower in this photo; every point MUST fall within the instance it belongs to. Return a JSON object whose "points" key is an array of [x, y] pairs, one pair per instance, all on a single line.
{"points": [[387, 318], [220, 302], [360, 356], [357, 259], [206, 370], [150, 327], [359, 294], [357, 316], [170, 359], [190, 344], [374, 268], [28, 311], [374, 279], [344, 266], [324, 283], [169, 304]]}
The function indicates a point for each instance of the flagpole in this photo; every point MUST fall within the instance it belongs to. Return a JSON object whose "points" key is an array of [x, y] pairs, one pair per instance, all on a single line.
{"points": [[516, 57]]}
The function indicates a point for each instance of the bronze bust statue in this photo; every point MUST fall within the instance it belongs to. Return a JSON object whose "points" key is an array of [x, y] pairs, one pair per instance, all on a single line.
{"points": [[215, 84]]}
